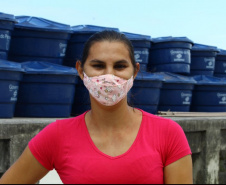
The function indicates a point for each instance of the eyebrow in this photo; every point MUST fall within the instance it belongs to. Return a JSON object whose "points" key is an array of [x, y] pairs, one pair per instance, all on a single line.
{"points": [[97, 61], [122, 62], [102, 62]]}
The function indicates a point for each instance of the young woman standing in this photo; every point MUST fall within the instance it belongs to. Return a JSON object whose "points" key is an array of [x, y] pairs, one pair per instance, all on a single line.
{"points": [[112, 143]]}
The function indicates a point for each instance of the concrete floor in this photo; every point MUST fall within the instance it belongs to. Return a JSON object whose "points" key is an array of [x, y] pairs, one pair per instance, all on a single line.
{"points": [[51, 178]]}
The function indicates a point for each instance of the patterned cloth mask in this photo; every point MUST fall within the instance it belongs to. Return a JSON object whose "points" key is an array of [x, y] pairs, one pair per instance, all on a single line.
{"points": [[108, 89]]}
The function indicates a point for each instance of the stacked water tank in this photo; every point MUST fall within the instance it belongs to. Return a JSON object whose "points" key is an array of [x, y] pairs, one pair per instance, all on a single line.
{"points": [[10, 77], [203, 59], [7, 22], [38, 39], [209, 92], [171, 58], [176, 93], [47, 88], [170, 54], [10, 72], [198, 63], [145, 93], [220, 66], [38, 76]]}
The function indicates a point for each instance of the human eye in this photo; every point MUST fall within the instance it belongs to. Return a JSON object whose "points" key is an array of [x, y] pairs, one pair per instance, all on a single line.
{"points": [[120, 66], [98, 66]]}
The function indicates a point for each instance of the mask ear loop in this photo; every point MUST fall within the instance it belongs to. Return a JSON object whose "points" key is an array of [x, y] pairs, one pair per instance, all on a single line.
{"points": [[85, 75]]}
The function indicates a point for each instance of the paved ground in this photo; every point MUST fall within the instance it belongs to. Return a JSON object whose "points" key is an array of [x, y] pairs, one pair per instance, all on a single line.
{"points": [[51, 178]]}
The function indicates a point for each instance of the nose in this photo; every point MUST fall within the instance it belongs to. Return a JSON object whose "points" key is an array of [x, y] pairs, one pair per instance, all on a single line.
{"points": [[109, 70]]}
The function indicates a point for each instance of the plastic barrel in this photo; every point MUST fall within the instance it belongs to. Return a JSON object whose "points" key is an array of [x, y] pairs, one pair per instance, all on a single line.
{"points": [[47, 90], [142, 45], [10, 77], [170, 54], [7, 23], [203, 60], [145, 92], [220, 66], [38, 39], [176, 93], [79, 37], [81, 102], [209, 94]]}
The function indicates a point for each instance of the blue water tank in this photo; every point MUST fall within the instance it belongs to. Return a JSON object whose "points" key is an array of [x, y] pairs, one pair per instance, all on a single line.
{"points": [[81, 34], [38, 39], [47, 90], [82, 99], [176, 93], [170, 54], [10, 76], [203, 59], [7, 22], [220, 65], [145, 92], [142, 45], [209, 94]]}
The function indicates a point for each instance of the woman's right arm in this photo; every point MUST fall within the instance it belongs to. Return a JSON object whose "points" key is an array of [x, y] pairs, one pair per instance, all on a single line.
{"points": [[26, 170]]}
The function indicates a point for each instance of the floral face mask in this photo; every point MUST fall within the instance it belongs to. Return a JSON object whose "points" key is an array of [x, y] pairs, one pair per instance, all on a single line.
{"points": [[108, 89]]}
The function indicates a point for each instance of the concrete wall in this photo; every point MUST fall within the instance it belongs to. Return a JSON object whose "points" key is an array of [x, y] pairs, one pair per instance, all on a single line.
{"points": [[207, 139], [206, 136]]}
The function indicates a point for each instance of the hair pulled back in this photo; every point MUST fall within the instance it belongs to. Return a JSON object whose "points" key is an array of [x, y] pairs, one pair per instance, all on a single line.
{"points": [[111, 36]]}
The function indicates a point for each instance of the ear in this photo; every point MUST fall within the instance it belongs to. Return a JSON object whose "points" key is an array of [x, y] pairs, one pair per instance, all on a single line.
{"points": [[79, 69], [137, 69]]}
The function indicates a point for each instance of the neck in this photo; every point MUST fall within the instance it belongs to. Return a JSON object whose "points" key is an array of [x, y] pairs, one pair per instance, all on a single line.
{"points": [[112, 117]]}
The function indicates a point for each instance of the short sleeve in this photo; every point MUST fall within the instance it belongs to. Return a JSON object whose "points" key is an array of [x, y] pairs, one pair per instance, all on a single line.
{"points": [[44, 146], [177, 145]]}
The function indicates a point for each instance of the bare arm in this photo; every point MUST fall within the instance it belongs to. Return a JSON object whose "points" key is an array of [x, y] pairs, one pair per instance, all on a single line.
{"points": [[26, 170], [179, 172]]}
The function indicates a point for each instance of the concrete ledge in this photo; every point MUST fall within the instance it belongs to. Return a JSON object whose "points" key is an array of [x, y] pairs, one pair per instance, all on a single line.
{"points": [[206, 136], [50, 120]]}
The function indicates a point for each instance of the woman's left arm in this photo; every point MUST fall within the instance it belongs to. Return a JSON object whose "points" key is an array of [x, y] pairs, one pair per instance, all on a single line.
{"points": [[179, 172]]}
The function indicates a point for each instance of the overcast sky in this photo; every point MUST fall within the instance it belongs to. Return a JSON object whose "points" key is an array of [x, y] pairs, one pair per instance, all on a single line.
{"points": [[203, 21]]}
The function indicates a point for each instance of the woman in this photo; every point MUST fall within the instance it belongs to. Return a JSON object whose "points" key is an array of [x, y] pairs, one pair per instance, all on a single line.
{"points": [[113, 143]]}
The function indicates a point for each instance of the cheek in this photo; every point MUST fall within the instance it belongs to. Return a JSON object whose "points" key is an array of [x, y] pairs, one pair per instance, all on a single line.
{"points": [[126, 74], [91, 72]]}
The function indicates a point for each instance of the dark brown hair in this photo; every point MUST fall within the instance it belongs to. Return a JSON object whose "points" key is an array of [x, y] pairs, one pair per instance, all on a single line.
{"points": [[111, 36]]}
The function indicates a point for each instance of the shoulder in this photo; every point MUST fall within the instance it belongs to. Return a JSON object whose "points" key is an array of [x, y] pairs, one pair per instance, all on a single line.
{"points": [[153, 119], [71, 122], [166, 125], [63, 127], [169, 137]]}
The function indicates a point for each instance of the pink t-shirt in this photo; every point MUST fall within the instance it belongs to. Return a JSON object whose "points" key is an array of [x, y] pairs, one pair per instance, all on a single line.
{"points": [[67, 146]]}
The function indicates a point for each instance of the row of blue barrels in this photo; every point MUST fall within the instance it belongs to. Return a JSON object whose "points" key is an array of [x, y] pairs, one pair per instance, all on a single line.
{"points": [[165, 91], [38, 39], [41, 89], [180, 55], [36, 89]]}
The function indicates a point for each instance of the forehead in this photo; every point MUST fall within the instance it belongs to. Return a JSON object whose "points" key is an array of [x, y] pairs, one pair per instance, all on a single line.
{"points": [[109, 50]]}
